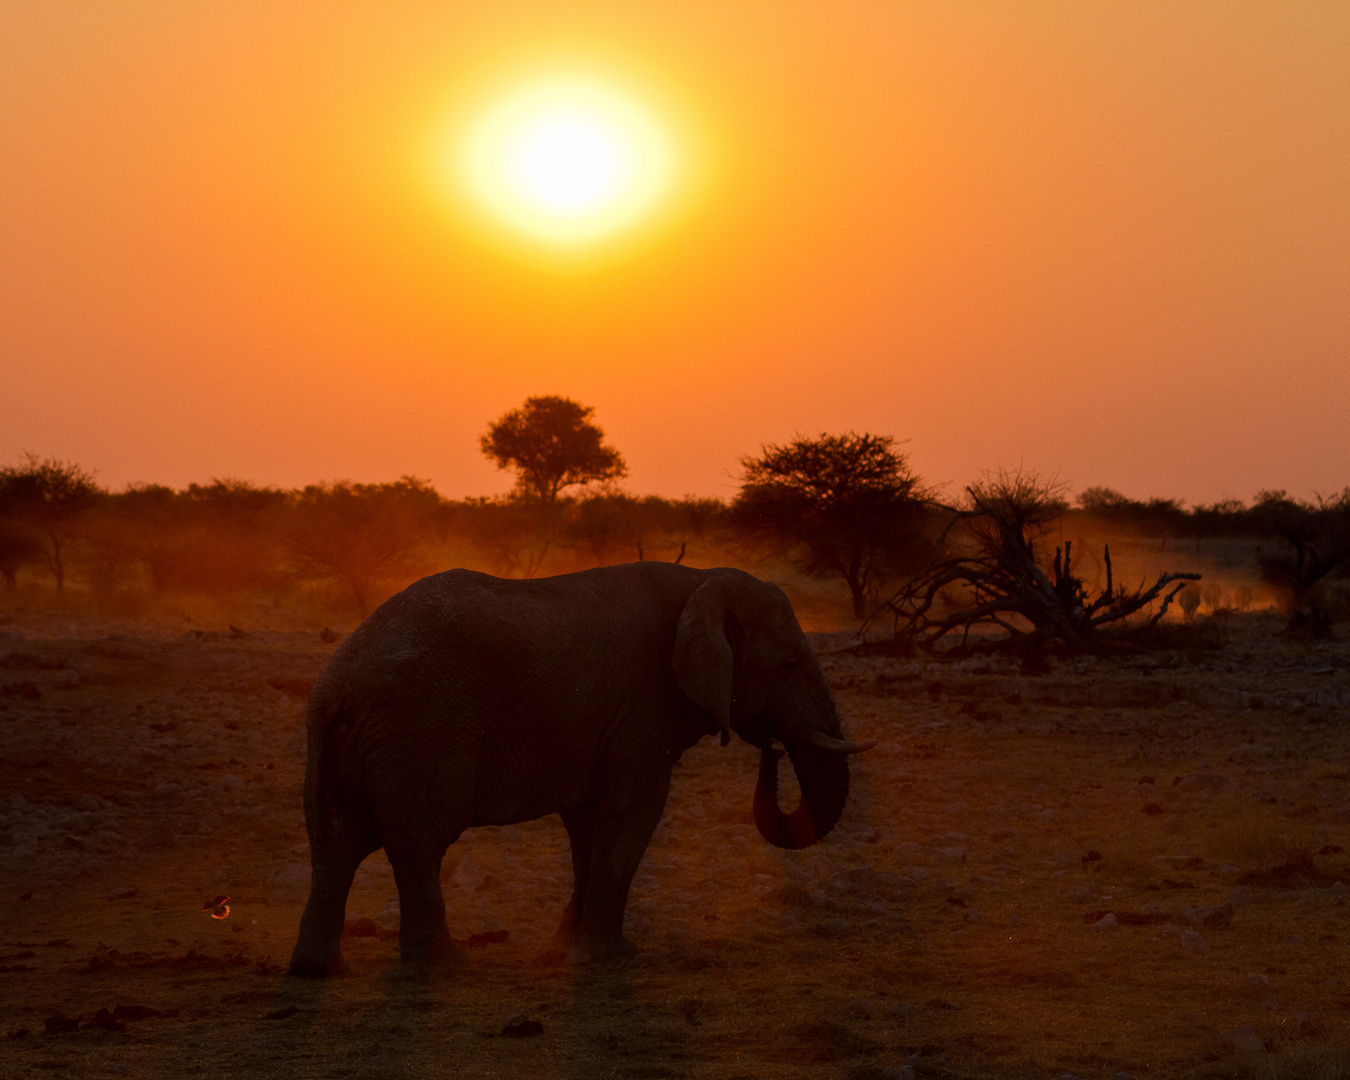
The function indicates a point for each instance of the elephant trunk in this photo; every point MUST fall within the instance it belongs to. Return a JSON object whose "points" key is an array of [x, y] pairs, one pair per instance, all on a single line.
{"points": [[823, 778]]}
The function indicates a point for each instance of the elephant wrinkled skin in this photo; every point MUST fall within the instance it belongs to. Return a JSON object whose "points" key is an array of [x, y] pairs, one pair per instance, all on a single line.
{"points": [[472, 700]]}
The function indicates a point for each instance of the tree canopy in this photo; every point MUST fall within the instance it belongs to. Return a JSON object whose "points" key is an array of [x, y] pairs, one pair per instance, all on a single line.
{"points": [[846, 505], [47, 498], [552, 444], [1311, 544]]}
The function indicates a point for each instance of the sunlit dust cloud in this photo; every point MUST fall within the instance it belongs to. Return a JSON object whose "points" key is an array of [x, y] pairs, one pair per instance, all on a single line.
{"points": [[568, 160]]}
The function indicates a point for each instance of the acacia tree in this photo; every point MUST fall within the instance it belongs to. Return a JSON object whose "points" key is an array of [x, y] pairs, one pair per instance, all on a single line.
{"points": [[47, 498], [605, 525], [552, 444], [363, 535], [843, 506], [18, 547], [1313, 545], [514, 536]]}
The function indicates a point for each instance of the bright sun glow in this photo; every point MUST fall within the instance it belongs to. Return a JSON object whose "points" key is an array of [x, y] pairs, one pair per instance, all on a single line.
{"points": [[567, 161]]}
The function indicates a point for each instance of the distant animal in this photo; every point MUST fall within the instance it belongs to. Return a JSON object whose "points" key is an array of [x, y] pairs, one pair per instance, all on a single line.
{"points": [[472, 700], [1189, 599]]}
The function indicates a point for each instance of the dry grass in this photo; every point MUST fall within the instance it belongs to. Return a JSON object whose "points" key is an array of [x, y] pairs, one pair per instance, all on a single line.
{"points": [[1302, 1061], [1261, 838], [760, 963]]}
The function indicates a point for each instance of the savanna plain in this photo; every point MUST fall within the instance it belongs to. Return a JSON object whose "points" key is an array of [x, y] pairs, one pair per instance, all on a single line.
{"points": [[1085, 865]]}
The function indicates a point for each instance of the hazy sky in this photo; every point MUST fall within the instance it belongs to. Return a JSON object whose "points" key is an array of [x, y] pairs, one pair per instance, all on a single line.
{"points": [[1107, 240]]}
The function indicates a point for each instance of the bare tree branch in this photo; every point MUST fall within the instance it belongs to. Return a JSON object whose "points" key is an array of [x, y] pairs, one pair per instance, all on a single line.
{"points": [[991, 551]]}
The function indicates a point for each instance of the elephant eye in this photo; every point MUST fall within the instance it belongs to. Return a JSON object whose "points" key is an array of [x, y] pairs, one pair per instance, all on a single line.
{"points": [[787, 668]]}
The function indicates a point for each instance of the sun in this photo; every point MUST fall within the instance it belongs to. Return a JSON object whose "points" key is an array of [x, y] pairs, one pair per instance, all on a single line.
{"points": [[567, 160]]}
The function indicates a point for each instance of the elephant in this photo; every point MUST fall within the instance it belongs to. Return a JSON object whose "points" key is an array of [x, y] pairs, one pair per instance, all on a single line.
{"points": [[470, 700]]}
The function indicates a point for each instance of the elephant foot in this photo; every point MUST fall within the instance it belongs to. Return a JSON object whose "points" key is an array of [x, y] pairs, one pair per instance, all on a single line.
{"points": [[442, 957], [317, 967], [591, 951], [566, 934]]}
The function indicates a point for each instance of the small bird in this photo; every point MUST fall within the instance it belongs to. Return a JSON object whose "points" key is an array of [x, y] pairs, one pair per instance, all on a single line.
{"points": [[219, 907]]}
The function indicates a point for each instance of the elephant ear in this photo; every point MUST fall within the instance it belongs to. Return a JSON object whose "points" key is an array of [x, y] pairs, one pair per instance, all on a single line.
{"points": [[704, 659]]}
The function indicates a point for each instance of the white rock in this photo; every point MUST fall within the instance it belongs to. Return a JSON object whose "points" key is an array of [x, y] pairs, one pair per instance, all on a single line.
{"points": [[292, 875], [1245, 1040], [467, 874], [862, 1008], [1192, 941]]}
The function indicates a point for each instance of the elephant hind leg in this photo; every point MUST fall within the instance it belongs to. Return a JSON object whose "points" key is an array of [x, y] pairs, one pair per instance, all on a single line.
{"points": [[318, 952], [423, 936], [580, 825]]}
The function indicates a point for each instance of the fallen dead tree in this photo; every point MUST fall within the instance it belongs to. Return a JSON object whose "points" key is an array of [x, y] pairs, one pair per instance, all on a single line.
{"points": [[988, 566]]}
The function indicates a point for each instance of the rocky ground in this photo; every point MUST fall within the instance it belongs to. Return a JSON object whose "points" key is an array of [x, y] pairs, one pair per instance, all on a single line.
{"points": [[1104, 866]]}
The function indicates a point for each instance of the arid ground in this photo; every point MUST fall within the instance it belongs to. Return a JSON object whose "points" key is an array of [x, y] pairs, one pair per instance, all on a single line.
{"points": [[1127, 864]]}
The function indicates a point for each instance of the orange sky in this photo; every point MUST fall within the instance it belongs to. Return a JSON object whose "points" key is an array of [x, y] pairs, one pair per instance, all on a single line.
{"points": [[1107, 240]]}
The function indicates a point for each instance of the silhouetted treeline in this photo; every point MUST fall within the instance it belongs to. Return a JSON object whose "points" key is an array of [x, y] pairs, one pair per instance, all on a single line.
{"points": [[360, 542], [1302, 545], [350, 545], [1269, 516]]}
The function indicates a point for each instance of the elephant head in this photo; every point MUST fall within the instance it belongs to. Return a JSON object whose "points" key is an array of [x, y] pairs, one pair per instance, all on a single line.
{"points": [[741, 655]]}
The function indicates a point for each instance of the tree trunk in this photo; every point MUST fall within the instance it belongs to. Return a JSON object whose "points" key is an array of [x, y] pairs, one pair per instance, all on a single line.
{"points": [[855, 588], [58, 568]]}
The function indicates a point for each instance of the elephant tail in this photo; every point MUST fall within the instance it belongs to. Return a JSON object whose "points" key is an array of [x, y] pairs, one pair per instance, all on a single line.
{"points": [[320, 719]]}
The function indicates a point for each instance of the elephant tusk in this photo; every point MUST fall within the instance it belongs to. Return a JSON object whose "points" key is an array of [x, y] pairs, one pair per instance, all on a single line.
{"points": [[839, 746]]}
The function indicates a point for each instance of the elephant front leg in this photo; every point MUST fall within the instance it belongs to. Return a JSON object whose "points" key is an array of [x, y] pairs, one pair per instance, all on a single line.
{"points": [[623, 828]]}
